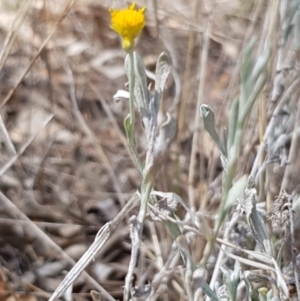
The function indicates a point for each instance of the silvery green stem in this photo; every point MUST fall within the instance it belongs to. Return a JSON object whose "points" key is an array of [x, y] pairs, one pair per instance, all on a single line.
{"points": [[147, 187], [129, 121], [131, 90]]}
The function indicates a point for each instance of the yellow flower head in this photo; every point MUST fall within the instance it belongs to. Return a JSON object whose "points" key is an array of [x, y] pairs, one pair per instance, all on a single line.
{"points": [[128, 23]]}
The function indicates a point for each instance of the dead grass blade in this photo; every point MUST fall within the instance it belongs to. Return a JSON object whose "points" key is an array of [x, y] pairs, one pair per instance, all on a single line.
{"points": [[11, 92], [85, 128], [7, 204], [196, 135], [13, 33], [4, 133], [251, 263], [103, 235], [14, 158]]}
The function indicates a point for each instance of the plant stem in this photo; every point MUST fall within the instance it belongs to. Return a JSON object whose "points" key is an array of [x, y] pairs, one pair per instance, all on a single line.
{"points": [[131, 90]]}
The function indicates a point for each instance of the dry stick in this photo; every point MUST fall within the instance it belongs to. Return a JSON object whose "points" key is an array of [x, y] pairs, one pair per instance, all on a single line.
{"points": [[106, 230], [165, 271], [102, 236], [203, 61], [92, 137], [186, 78], [221, 255], [72, 177], [251, 263], [7, 204], [5, 136], [34, 290], [11, 221], [157, 249], [11, 92], [14, 158], [12, 35], [185, 87]]}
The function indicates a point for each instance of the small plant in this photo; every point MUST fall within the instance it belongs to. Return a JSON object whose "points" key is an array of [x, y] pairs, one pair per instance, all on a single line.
{"points": [[238, 273]]}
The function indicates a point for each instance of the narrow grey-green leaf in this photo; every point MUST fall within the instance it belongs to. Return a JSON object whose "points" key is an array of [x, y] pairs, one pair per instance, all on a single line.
{"points": [[254, 219], [280, 280], [208, 117], [200, 283], [246, 61], [209, 292], [141, 80], [260, 65], [141, 94], [128, 128], [157, 153], [231, 281], [225, 141], [235, 191], [163, 68], [233, 122], [248, 289]]}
